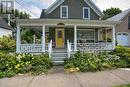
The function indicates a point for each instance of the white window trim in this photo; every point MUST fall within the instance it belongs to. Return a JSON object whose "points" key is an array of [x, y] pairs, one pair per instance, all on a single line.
{"points": [[88, 12], [61, 11]]}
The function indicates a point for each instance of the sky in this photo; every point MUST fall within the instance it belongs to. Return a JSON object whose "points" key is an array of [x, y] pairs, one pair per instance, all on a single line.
{"points": [[34, 7]]}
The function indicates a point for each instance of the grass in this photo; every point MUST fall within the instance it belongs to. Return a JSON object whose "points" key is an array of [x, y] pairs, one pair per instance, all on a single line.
{"points": [[127, 85]]}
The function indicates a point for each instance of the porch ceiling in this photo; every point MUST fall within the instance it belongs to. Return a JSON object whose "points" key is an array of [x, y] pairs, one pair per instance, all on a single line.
{"points": [[67, 22]]}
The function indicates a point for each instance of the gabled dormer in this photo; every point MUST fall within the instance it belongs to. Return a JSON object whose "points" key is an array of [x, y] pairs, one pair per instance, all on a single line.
{"points": [[72, 9]]}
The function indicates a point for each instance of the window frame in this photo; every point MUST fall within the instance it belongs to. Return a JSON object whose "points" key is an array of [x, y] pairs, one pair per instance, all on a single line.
{"points": [[88, 30], [61, 16], [88, 12]]}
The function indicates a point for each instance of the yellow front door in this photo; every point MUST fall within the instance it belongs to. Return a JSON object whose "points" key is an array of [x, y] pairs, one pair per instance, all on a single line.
{"points": [[59, 38]]}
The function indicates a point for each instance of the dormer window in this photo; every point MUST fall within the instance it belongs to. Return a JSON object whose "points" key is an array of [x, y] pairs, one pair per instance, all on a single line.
{"points": [[64, 12], [86, 13]]}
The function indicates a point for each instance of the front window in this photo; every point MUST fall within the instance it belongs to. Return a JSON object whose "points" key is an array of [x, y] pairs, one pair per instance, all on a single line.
{"points": [[86, 36], [86, 13], [64, 12]]}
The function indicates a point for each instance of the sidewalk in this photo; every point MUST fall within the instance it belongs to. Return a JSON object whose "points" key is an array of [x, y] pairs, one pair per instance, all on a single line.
{"points": [[60, 79]]}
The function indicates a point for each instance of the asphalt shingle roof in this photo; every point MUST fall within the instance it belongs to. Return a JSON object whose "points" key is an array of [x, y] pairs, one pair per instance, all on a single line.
{"points": [[4, 24], [120, 16]]}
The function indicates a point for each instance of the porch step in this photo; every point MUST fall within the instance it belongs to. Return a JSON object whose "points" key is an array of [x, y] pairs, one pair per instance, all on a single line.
{"points": [[58, 62], [59, 55], [58, 58], [60, 50]]}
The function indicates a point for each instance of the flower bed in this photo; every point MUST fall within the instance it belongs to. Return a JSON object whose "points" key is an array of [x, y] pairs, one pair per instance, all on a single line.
{"points": [[13, 64], [91, 62]]}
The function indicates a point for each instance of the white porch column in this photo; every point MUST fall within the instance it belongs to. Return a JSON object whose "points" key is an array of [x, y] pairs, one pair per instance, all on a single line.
{"points": [[75, 38], [18, 39], [114, 37], [43, 38]]}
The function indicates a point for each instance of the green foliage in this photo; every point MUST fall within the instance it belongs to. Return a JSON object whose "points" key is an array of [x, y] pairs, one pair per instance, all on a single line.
{"points": [[27, 35], [124, 53], [127, 85], [12, 64], [41, 64], [111, 12], [7, 43], [109, 39], [17, 15], [7, 74], [92, 62]]}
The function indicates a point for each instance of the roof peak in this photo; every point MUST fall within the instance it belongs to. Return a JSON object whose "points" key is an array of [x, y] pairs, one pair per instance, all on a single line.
{"points": [[59, 2]]}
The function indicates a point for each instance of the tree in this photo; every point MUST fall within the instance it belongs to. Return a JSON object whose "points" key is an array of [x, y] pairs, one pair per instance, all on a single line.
{"points": [[111, 12], [17, 15]]}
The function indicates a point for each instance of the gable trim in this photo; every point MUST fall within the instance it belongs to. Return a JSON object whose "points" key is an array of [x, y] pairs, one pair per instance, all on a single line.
{"points": [[89, 2], [54, 6], [94, 7]]}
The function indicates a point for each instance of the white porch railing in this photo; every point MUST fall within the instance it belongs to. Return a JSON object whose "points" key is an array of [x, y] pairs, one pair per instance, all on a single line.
{"points": [[68, 48], [30, 48], [103, 46], [50, 49]]}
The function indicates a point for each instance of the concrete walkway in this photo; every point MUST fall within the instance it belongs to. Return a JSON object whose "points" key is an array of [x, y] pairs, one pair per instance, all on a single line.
{"points": [[61, 79]]}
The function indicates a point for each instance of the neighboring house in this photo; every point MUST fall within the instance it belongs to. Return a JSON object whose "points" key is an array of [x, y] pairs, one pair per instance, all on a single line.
{"points": [[69, 26], [5, 29], [122, 29]]}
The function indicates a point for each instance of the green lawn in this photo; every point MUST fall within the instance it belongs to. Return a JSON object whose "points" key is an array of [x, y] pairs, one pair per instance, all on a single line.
{"points": [[128, 85]]}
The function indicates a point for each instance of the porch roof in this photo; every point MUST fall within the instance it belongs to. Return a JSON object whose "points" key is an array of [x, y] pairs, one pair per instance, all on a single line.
{"points": [[67, 22]]}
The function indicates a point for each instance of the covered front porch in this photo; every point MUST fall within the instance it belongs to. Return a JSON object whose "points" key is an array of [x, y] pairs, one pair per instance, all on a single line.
{"points": [[69, 34]]}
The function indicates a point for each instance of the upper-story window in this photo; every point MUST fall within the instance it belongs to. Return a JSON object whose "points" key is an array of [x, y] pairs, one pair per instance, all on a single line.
{"points": [[129, 22], [64, 12], [86, 13]]}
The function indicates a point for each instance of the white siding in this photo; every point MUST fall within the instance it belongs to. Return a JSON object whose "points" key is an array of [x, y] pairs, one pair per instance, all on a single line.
{"points": [[5, 32]]}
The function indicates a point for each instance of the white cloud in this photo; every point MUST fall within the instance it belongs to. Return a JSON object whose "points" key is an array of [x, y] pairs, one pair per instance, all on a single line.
{"points": [[48, 2], [34, 11], [104, 4]]}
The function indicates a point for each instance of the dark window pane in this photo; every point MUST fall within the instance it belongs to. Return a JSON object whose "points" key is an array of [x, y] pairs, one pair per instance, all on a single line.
{"points": [[59, 34], [86, 13], [129, 22], [64, 12]]}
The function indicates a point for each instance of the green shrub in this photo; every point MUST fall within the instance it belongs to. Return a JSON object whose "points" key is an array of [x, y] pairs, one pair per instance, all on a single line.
{"points": [[41, 64], [92, 62], [124, 53], [127, 85], [8, 73], [7, 43], [11, 64]]}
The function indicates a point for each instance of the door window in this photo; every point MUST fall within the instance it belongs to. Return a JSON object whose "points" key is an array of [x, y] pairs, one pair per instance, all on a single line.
{"points": [[59, 34]]}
